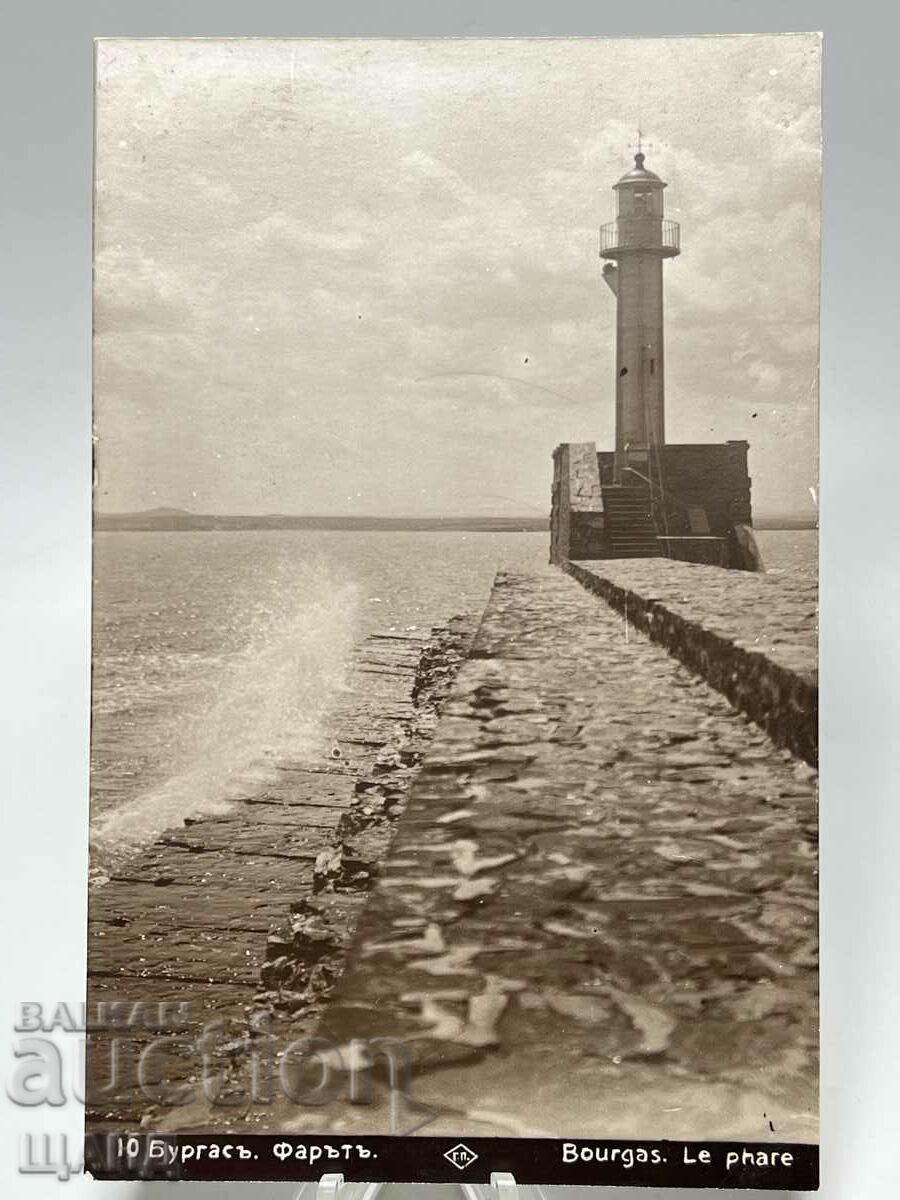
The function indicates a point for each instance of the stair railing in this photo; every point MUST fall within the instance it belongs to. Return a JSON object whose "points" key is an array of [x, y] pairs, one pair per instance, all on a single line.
{"points": [[661, 499]]}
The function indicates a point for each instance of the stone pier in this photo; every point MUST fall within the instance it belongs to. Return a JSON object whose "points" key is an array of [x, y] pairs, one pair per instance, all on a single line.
{"points": [[241, 922], [581, 900], [598, 915], [753, 637]]}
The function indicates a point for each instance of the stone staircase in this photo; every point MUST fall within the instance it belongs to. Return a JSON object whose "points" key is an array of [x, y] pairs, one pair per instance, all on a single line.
{"points": [[629, 522]]}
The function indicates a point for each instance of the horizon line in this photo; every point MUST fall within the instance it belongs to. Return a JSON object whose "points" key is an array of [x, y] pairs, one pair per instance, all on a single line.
{"points": [[767, 514]]}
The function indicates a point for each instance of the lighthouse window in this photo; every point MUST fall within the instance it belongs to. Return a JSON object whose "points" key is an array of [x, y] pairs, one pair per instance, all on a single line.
{"points": [[641, 201], [652, 366]]}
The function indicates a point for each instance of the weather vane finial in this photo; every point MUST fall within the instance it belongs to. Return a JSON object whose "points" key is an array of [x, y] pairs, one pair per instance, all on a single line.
{"points": [[639, 155]]}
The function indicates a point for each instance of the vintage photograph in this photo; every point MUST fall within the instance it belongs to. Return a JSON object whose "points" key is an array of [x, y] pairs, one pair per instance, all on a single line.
{"points": [[454, 693]]}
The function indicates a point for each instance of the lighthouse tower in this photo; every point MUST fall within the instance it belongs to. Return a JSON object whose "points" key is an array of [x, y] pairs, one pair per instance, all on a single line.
{"points": [[637, 242], [647, 498]]}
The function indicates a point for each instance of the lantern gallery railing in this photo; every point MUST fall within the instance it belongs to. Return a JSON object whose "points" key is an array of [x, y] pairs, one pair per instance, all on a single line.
{"points": [[640, 233]]}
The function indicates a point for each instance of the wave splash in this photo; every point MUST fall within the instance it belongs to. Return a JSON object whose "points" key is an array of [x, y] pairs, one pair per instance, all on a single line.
{"points": [[248, 709]]}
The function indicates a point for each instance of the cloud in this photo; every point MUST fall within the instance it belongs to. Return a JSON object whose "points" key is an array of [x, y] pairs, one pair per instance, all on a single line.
{"points": [[292, 236]]}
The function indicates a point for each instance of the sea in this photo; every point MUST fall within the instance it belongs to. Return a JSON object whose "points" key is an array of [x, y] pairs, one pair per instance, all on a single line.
{"points": [[218, 654]]}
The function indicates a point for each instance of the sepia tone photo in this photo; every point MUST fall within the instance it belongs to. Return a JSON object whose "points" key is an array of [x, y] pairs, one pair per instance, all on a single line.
{"points": [[454, 733]]}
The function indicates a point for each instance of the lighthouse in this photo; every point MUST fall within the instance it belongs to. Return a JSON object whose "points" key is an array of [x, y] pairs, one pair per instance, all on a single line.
{"points": [[648, 498], [634, 245]]}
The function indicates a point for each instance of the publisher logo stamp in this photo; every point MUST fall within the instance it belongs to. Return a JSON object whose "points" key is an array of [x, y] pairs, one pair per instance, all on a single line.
{"points": [[461, 1156]]}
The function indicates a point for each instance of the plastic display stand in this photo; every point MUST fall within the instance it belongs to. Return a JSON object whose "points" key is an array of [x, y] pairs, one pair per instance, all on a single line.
{"points": [[503, 1186], [333, 1187]]}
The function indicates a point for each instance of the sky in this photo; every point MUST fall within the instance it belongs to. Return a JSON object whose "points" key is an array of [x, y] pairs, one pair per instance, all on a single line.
{"points": [[361, 277]]}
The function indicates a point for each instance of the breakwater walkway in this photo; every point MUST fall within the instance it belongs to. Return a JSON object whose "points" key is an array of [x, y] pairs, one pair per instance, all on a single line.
{"points": [[239, 923], [598, 914], [752, 636]]}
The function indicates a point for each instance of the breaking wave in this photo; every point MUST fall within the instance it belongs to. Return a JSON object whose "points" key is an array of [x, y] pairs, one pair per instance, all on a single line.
{"points": [[233, 714]]}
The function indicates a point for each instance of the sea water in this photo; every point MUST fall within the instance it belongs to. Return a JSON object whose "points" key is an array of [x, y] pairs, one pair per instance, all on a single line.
{"points": [[217, 654]]}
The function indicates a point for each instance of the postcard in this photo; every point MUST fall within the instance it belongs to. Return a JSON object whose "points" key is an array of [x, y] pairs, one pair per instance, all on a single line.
{"points": [[454, 736]]}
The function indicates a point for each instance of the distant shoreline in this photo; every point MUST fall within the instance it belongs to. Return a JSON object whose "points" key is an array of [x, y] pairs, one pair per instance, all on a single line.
{"points": [[191, 522], [176, 521], [764, 524]]}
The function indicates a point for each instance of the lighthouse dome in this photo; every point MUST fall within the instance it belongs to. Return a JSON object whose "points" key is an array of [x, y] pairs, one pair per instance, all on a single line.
{"points": [[640, 175]]}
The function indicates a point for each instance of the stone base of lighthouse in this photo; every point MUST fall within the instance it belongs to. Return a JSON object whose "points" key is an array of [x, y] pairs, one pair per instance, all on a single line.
{"points": [[693, 506]]}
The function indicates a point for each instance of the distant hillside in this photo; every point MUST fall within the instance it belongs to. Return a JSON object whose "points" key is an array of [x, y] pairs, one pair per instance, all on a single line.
{"points": [[787, 521], [158, 519]]}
